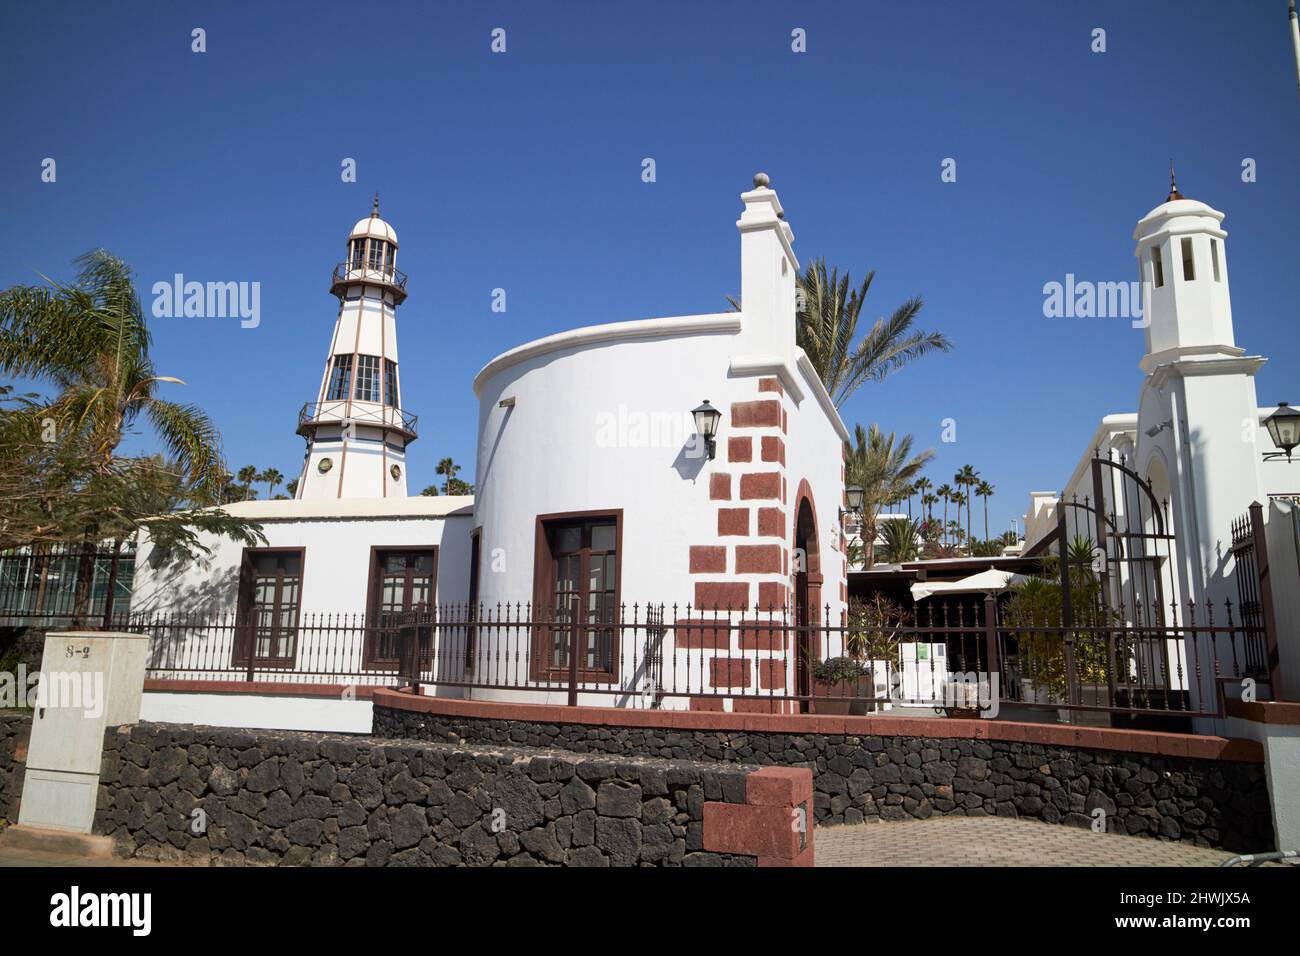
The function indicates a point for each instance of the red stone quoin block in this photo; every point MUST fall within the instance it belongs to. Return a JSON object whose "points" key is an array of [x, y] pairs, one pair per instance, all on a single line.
{"points": [[774, 823]]}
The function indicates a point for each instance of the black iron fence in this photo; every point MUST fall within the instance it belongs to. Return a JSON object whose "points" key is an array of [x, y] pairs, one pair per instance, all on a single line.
{"points": [[1255, 586], [45, 585], [958, 657], [963, 657], [315, 649]]}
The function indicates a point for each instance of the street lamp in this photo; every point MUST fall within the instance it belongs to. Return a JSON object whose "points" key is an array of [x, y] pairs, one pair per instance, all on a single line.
{"points": [[1284, 428], [706, 426]]}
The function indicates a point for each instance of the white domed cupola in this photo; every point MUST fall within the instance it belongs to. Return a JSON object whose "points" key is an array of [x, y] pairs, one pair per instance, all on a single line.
{"points": [[372, 256], [1183, 267]]}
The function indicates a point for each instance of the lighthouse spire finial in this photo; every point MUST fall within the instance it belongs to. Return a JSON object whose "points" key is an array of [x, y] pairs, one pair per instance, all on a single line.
{"points": [[1173, 185], [374, 213]]}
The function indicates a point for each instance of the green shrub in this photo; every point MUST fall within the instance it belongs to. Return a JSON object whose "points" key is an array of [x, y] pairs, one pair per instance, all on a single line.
{"points": [[839, 668]]}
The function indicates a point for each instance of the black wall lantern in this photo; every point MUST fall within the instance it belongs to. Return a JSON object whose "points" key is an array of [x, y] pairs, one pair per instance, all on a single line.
{"points": [[1284, 428], [856, 498], [706, 426]]}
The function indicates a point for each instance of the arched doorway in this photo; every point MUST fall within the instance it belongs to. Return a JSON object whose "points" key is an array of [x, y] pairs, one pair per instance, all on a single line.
{"points": [[807, 595]]}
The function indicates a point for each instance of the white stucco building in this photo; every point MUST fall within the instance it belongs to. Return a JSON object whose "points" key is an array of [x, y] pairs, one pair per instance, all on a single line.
{"points": [[1197, 442], [593, 489]]}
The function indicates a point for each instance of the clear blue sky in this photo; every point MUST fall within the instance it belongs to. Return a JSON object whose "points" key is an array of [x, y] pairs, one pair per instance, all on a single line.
{"points": [[522, 171]]}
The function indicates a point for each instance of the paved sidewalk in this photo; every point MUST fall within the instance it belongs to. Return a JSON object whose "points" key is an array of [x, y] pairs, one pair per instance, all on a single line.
{"points": [[27, 846], [997, 841], [37, 858]]}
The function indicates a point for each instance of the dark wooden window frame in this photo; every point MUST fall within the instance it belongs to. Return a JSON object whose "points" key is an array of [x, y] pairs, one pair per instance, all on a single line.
{"points": [[544, 589], [373, 593], [244, 625], [338, 387], [391, 396]]}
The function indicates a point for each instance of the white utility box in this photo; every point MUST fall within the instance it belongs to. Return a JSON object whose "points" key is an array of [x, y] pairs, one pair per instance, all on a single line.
{"points": [[90, 681], [925, 671]]}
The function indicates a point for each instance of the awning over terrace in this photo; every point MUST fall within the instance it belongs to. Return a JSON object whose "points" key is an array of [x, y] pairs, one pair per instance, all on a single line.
{"points": [[989, 581]]}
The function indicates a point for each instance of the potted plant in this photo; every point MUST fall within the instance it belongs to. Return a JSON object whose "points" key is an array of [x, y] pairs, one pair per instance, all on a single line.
{"points": [[1034, 615], [847, 681]]}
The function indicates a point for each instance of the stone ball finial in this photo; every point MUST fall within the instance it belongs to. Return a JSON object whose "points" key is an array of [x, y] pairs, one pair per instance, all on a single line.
{"points": [[761, 180]]}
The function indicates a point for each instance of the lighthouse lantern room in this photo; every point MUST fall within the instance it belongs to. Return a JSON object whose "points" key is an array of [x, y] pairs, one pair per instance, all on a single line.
{"points": [[356, 430]]}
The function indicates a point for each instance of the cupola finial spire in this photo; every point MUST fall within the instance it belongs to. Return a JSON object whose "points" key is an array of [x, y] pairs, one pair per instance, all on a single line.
{"points": [[374, 213], [1173, 185]]}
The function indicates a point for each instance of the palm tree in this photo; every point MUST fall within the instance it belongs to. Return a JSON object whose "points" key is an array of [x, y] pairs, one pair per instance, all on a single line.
{"points": [[965, 479], [247, 475], [90, 340], [292, 488], [447, 468], [922, 486], [945, 493], [882, 464], [827, 324], [898, 540], [928, 502], [272, 478], [958, 500], [985, 491]]}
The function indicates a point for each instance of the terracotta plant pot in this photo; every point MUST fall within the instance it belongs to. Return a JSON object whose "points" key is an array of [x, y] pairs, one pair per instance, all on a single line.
{"points": [[857, 696]]}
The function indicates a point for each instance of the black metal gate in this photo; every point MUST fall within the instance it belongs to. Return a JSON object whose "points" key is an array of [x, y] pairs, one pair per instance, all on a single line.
{"points": [[1254, 592], [1137, 590]]}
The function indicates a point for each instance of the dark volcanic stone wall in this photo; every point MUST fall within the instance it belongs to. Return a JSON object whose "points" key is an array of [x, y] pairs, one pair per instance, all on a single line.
{"points": [[1217, 803], [280, 797], [15, 728]]}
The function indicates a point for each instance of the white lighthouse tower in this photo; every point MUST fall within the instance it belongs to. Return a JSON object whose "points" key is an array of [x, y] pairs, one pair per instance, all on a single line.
{"points": [[356, 430], [1198, 417]]}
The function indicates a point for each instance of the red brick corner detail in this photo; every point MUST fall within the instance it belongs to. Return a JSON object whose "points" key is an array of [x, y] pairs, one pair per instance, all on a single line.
{"points": [[774, 823]]}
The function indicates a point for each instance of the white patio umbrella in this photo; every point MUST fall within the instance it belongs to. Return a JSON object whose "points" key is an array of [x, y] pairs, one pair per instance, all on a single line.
{"points": [[989, 581]]}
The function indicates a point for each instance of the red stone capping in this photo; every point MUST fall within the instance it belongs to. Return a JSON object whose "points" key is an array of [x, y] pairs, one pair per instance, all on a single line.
{"points": [[719, 486], [763, 484], [733, 521], [1278, 712], [723, 595], [708, 559], [257, 688], [766, 413], [773, 448], [1201, 747], [774, 823], [771, 385], [758, 559]]}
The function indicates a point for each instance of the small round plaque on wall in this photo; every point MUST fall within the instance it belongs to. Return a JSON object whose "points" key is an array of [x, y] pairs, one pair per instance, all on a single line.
{"points": [[396, 472], [325, 465]]}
